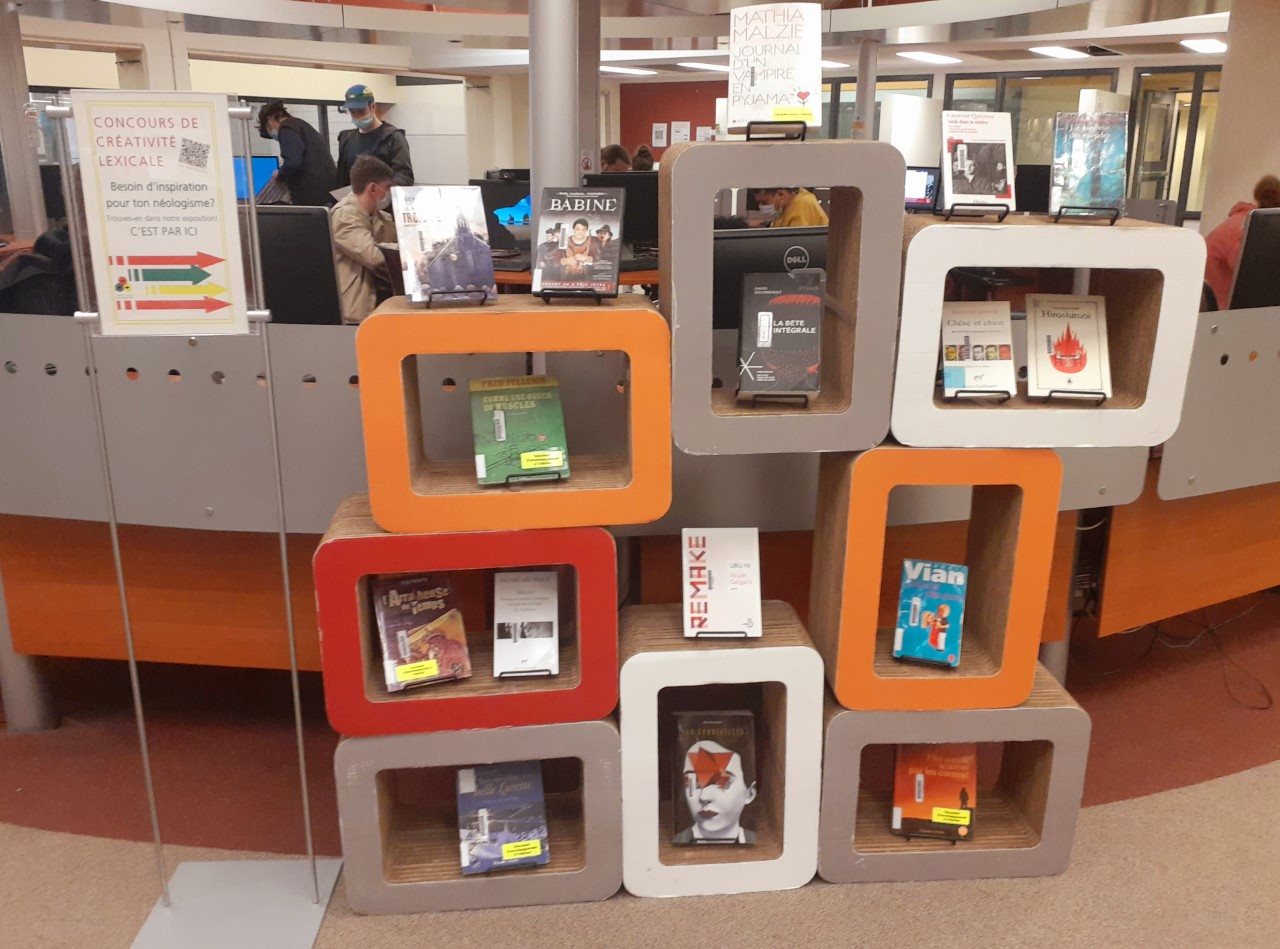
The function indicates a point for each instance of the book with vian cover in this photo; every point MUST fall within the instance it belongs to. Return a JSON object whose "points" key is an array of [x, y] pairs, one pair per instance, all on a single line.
{"points": [[720, 575], [1089, 155], [715, 778], [579, 241], [444, 244], [977, 349], [780, 340], [526, 623], [421, 633], [1067, 346], [502, 817], [935, 791], [931, 612], [518, 427]]}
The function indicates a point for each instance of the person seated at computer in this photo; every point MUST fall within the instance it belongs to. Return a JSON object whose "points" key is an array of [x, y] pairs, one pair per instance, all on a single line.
{"points": [[642, 160], [359, 223], [306, 167], [793, 207], [1224, 241], [614, 158], [581, 250]]}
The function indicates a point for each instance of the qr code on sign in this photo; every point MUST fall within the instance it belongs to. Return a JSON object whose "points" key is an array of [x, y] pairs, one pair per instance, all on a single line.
{"points": [[195, 154]]}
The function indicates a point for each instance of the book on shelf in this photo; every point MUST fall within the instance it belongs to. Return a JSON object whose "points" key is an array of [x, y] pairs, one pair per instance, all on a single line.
{"points": [[720, 575], [581, 243], [422, 635], [780, 339], [977, 349], [1089, 150], [502, 817], [977, 159], [931, 612], [444, 244], [518, 427], [935, 791], [1067, 352], [526, 623], [715, 778]]}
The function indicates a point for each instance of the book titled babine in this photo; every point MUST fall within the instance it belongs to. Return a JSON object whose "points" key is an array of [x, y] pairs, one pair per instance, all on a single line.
{"points": [[579, 241]]}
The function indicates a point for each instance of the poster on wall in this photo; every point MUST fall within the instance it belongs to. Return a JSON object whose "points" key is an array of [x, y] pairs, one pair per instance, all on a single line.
{"points": [[659, 139], [679, 132], [704, 133], [1088, 160], [775, 64], [977, 159], [160, 206]]}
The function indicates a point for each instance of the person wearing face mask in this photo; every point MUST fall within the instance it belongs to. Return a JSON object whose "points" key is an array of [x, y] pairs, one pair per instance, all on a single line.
{"points": [[306, 167], [371, 136], [359, 223]]}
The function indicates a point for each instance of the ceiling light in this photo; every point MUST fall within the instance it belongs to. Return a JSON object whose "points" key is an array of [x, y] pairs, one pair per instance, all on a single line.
{"points": [[1206, 45], [1059, 52], [829, 64], [713, 67], [629, 71], [938, 59]]}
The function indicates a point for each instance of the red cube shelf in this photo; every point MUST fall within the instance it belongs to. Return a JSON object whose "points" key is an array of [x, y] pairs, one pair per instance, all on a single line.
{"points": [[355, 548]]}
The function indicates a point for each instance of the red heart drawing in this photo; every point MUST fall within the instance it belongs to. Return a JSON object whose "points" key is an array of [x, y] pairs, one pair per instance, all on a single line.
{"points": [[803, 94]]}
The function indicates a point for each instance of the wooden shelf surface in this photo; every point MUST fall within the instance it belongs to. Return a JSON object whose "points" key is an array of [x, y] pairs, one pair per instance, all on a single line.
{"points": [[999, 824], [976, 659], [513, 303], [659, 628], [586, 473]]}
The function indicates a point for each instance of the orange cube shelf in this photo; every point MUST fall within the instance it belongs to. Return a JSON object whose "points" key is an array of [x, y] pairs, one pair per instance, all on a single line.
{"points": [[411, 493], [1009, 552]]}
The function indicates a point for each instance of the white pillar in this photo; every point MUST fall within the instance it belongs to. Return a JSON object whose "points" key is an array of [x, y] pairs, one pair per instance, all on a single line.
{"points": [[554, 78], [864, 106], [18, 135]]}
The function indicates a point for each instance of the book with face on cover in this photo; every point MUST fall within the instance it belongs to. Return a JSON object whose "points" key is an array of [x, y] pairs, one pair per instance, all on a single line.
{"points": [[715, 778], [421, 633], [444, 244], [720, 574], [1067, 352], [580, 241], [780, 341], [977, 349], [977, 159], [518, 426], [935, 791], [502, 817], [526, 623]]}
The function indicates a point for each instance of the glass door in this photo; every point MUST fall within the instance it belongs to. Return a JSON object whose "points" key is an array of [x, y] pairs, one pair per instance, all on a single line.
{"points": [[1174, 114]]}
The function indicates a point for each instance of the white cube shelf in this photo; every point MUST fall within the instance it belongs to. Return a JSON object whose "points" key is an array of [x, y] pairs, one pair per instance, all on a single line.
{"points": [[782, 673], [1151, 276]]}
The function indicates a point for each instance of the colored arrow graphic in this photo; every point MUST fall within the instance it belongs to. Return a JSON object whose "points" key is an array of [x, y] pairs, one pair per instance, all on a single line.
{"points": [[196, 260], [208, 304], [191, 275], [208, 289]]}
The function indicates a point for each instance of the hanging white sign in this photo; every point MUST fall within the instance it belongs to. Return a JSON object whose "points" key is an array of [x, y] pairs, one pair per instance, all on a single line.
{"points": [[775, 64]]}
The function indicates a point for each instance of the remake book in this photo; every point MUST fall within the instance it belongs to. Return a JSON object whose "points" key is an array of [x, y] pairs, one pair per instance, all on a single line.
{"points": [[935, 791], [444, 244], [526, 623], [502, 817], [422, 635], [977, 159], [581, 243], [1067, 346], [931, 612], [780, 341], [977, 349], [715, 778], [1089, 150], [720, 574], [518, 427]]}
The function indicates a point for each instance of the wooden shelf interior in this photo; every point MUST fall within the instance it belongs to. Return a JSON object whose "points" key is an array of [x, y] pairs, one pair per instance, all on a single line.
{"points": [[435, 474], [418, 820], [767, 701], [1013, 790], [475, 599], [1133, 315], [990, 542], [839, 322]]}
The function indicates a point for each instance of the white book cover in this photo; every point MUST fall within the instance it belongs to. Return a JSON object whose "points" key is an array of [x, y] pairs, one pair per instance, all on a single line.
{"points": [[977, 159], [977, 348], [526, 623], [444, 244], [1067, 345], [720, 575]]}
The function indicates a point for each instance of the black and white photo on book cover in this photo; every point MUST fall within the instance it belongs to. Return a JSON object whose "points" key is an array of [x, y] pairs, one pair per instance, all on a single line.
{"points": [[526, 623], [1067, 351], [444, 244], [579, 241], [977, 159], [715, 778]]}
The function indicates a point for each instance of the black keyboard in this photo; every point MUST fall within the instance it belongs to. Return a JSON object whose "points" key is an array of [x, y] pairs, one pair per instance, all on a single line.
{"points": [[638, 263]]}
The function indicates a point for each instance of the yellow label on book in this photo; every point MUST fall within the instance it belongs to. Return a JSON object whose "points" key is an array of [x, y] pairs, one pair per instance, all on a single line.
{"points": [[792, 113], [426, 669], [951, 815], [522, 848], [546, 458]]}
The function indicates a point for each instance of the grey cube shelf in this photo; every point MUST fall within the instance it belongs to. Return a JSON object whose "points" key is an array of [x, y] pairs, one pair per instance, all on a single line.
{"points": [[398, 814], [860, 320], [1023, 826]]}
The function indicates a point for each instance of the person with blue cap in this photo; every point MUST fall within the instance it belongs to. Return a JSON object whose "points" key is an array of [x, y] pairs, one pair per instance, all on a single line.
{"points": [[371, 136]]}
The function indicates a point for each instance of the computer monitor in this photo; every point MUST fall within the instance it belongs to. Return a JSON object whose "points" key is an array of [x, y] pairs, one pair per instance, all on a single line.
{"points": [[1031, 185], [298, 277], [640, 214], [55, 205], [922, 189], [508, 174], [758, 250], [264, 166], [508, 212], [1257, 282]]}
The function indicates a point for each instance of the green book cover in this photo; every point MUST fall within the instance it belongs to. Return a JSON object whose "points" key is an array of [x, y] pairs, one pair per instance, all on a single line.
{"points": [[518, 427]]}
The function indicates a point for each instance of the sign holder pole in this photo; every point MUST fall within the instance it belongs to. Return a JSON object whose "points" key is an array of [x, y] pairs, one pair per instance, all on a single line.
{"points": [[88, 320]]}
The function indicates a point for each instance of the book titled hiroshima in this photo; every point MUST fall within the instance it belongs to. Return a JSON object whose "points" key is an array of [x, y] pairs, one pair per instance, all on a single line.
{"points": [[1067, 346], [780, 341], [422, 635], [444, 244], [578, 243]]}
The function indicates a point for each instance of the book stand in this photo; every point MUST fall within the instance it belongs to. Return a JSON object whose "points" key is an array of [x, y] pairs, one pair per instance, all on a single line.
{"points": [[452, 297], [1083, 212], [777, 131], [962, 210], [594, 295]]}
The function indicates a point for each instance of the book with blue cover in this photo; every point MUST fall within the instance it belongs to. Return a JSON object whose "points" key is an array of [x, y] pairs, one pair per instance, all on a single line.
{"points": [[931, 612], [502, 817]]}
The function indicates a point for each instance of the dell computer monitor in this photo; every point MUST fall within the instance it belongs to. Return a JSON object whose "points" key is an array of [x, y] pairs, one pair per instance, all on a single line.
{"points": [[640, 211], [922, 189], [264, 166], [758, 250], [508, 212], [1257, 281]]}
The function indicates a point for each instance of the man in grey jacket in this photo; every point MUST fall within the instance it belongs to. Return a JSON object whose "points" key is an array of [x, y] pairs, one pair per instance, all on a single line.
{"points": [[359, 223], [371, 136]]}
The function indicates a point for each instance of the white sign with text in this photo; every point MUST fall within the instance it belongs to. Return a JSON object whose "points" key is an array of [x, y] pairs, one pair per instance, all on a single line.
{"points": [[775, 64]]}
